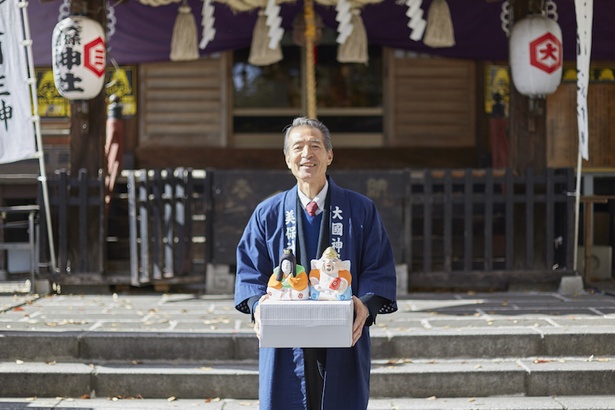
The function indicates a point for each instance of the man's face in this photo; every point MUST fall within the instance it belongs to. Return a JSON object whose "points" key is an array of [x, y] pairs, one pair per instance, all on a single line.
{"points": [[307, 157]]}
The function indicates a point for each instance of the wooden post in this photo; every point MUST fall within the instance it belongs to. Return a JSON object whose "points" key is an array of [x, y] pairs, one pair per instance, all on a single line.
{"points": [[87, 142], [528, 151], [89, 117], [310, 36], [528, 125]]}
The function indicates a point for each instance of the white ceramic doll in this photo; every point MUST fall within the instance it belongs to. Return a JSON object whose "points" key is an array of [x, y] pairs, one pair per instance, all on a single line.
{"points": [[330, 277], [289, 281]]}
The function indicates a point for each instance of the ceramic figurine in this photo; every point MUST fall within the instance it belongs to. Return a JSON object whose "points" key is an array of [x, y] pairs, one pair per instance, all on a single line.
{"points": [[330, 277], [289, 280]]}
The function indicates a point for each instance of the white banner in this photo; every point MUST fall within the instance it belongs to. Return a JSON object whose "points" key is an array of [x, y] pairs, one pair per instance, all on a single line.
{"points": [[585, 12], [17, 139]]}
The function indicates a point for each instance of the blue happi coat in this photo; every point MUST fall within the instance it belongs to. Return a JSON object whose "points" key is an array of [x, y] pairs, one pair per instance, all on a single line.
{"points": [[359, 237]]}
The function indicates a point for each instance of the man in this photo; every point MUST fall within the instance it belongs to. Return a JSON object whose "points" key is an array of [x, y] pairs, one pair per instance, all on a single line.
{"points": [[314, 379]]}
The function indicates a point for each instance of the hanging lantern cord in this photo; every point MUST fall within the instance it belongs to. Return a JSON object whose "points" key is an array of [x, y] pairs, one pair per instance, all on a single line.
{"points": [[310, 36], [537, 6]]}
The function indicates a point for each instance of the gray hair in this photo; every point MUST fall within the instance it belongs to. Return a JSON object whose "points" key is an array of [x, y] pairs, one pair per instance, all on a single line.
{"points": [[312, 123]]}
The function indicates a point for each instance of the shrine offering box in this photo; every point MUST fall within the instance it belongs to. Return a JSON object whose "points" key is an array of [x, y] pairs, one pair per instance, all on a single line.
{"points": [[309, 323]]}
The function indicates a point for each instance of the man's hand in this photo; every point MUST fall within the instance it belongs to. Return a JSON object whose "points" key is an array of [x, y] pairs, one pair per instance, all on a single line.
{"points": [[257, 316], [361, 315]]}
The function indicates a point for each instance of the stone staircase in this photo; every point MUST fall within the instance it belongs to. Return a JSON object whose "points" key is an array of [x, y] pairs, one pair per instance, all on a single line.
{"points": [[452, 346]]}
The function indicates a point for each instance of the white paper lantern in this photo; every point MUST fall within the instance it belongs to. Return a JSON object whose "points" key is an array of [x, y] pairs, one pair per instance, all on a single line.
{"points": [[536, 55], [79, 55]]}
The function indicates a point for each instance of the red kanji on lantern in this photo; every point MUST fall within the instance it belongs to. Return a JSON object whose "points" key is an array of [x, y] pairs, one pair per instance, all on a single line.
{"points": [[546, 53], [95, 55]]}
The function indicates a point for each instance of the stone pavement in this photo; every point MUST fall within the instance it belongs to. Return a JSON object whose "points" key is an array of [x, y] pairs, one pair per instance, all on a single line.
{"points": [[215, 313], [429, 315]]}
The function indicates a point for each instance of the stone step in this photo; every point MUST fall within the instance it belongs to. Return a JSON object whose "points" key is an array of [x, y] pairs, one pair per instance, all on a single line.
{"points": [[423, 403], [185, 346], [547, 376], [173, 346]]}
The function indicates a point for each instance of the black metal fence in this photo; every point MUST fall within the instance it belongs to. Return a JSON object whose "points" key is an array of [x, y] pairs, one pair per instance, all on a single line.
{"points": [[78, 221], [451, 227], [164, 211], [471, 225]]}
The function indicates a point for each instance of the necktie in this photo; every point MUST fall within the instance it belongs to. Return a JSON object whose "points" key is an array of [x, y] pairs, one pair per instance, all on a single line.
{"points": [[311, 208]]}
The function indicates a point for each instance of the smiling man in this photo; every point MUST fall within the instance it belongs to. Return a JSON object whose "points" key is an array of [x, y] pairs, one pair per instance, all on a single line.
{"points": [[309, 218]]}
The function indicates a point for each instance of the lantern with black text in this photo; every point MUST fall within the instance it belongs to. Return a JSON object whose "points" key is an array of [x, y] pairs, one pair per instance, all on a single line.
{"points": [[78, 57], [536, 55]]}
